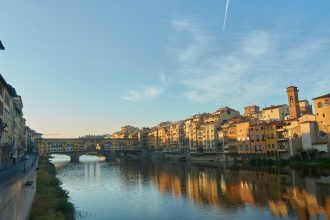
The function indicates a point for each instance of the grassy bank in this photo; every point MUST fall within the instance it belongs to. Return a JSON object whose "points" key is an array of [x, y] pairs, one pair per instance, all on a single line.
{"points": [[51, 201]]}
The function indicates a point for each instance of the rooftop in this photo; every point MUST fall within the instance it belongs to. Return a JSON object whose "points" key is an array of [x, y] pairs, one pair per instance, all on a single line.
{"points": [[272, 107], [323, 96]]}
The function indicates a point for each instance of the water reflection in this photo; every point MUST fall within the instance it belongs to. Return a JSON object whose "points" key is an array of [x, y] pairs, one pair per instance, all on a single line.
{"points": [[165, 190], [284, 192]]}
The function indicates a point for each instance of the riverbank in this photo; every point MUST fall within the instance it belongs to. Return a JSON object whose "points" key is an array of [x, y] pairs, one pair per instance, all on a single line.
{"points": [[51, 201]]}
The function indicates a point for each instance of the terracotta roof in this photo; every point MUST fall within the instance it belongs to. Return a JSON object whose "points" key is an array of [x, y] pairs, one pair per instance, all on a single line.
{"points": [[323, 96]]}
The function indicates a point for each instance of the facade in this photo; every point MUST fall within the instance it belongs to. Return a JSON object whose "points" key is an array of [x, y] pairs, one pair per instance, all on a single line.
{"points": [[275, 113], [243, 135], [322, 109], [12, 125], [127, 131], [305, 107], [176, 134], [251, 110], [257, 139], [191, 127], [293, 101], [143, 136], [202, 131]]}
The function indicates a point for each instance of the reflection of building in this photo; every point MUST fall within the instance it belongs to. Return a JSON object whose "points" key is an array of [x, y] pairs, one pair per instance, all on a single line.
{"points": [[282, 191]]}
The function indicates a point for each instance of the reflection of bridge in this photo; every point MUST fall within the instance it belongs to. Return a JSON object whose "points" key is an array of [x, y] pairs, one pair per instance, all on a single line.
{"points": [[74, 148]]}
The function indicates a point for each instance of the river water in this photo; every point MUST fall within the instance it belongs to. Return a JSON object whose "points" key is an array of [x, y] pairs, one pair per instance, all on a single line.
{"points": [[103, 190]]}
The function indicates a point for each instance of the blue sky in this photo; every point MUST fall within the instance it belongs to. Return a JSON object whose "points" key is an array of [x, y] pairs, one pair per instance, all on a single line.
{"points": [[90, 67]]}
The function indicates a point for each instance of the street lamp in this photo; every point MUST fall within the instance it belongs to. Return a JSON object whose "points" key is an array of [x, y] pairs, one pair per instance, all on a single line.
{"points": [[1, 46]]}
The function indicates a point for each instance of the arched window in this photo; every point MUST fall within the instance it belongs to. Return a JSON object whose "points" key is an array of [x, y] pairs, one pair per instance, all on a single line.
{"points": [[295, 136], [319, 104]]}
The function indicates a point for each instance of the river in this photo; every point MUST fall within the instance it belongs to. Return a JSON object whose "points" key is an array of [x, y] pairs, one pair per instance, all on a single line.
{"points": [[103, 190]]}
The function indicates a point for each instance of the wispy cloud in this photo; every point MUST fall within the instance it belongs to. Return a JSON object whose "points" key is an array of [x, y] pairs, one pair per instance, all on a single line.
{"points": [[147, 91], [241, 68]]}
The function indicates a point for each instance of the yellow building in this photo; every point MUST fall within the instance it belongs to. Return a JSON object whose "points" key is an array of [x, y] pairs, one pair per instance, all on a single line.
{"points": [[153, 138], [191, 126], [322, 109], [242, 136], [271, 140], [176, 133]]}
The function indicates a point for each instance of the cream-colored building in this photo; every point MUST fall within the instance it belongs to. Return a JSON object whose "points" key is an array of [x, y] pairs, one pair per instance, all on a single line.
{"points": [[12, 123], [176, 133], [205, 137], [191, 126], [275, 113], [125, 132]]}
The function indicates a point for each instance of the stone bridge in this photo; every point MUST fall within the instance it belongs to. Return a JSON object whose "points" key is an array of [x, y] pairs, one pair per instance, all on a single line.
{"points": [[74, 148], [108, 154]]}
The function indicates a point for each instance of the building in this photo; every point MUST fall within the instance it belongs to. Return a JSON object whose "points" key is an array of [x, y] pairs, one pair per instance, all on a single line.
{"points": [[305, 107], [275, 113], [293, 101], [276, 143], [191, 126], [125, 132], [257, 139], [243, 135], [202, 131], [322, 109], [12, 123], [143, 136], [176, 133], [251, 110]]}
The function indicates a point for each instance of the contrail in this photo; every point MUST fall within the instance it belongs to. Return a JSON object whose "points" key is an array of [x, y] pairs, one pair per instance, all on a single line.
{"points": [[226, 11]]}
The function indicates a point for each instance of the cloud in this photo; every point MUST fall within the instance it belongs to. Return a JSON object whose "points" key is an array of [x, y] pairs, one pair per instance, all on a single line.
{"points": [[147, 92], [246, 67]]}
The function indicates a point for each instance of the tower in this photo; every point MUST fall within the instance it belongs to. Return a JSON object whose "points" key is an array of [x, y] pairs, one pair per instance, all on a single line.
{"points": [[293, 101]]}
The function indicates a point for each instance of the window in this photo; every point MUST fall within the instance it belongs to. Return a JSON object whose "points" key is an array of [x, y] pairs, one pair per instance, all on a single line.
{"points": [[295, 136], [323, 135], [291, 100], [319, 104], [326, 101], [323, 115]]}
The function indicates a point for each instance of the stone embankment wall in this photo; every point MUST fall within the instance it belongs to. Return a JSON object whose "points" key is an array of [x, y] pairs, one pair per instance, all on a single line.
{"points": [[16, 197]]}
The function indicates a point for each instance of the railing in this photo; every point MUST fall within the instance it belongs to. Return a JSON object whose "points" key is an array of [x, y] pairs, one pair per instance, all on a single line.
{"points": [[13, 168]]}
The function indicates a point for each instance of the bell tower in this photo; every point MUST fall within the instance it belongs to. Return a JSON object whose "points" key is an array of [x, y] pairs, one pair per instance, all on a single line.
{"points": [[293, 101]]}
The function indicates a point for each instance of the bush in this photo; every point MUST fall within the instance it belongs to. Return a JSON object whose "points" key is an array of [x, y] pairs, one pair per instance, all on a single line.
{"points": [[51, 201]]}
